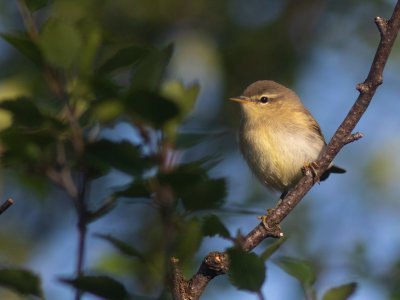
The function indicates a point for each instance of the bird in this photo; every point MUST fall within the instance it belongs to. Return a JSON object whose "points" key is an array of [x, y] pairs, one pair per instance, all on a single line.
{"points": [[278, 136]]}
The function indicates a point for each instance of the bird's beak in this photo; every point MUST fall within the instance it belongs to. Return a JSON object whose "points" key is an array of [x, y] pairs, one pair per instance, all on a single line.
{"points": [[241, 99]]}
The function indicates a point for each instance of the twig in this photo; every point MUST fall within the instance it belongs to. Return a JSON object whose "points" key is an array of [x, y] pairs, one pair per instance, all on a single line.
{"points": [[270, 227], [6, 205]]}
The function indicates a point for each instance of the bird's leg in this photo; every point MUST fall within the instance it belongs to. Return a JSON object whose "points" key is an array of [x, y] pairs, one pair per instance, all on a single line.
{"points": [[312, 166]]}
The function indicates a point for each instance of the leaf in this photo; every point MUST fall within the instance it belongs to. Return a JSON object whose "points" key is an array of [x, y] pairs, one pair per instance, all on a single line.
{"points": [[60, 43], [123, 58], [137, 189], [273, 248], [35, 5], [22, 281], [192, 185], [151, 107], [246, 271], [297, 268], [25, 46], [212, 225], [124, 156], [102, 286], [150, 70], [188, 240], [183, 98], [342, 292], [30, 150], [25, 112], [121, 246]]}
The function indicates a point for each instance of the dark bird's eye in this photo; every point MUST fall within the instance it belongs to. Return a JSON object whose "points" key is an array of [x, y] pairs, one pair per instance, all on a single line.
{"points": [[264, 99]]}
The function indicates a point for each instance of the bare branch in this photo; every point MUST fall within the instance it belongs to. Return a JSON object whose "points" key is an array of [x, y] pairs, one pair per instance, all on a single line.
{"points": [[270, 225], [6, 205]]}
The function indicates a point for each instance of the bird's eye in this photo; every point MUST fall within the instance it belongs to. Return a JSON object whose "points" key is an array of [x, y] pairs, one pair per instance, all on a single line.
{"points": [[264, 99]]}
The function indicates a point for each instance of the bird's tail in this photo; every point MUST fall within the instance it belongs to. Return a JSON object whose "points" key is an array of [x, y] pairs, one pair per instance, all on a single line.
{"points": [[332, 169]]}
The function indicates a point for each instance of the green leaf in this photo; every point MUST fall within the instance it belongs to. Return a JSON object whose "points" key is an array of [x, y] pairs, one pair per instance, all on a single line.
{"points": [[151, 107], [35, 5], [124, 156], [212, 225], [192, 185], [183, 98], [25, 112], [31, 150], [122, 246], [273, 248], [188, 240], [150, 70], [124, 58], [297, 268], [102, 286], [246, 271], [136, 189], [342, 292], [60, 43], [25, 46], [22, 281]]}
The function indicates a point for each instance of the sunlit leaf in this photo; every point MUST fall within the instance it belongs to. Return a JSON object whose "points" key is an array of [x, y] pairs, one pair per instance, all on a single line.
{"points": [[121, 246], [25, 46], [297, 268], [247, 270], [22, 281], [60, 43], [108, 110], [183, 98], [124, 57], [342, 292], [101, 286], [212, 225]]}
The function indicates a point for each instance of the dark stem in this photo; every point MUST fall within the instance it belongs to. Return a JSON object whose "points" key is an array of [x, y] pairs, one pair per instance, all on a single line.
{"points": [[82, 229]]}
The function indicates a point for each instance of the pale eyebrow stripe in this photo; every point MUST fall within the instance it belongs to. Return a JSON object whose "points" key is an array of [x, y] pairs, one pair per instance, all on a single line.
{"points": [[267, 95]]}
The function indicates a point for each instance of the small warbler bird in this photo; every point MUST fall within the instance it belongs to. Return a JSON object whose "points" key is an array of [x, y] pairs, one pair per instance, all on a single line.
{"points": [[278, 136]]}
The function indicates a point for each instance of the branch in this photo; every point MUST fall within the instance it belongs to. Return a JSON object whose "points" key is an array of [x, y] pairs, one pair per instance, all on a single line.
{"points": [[270, 225], [6, 205]]}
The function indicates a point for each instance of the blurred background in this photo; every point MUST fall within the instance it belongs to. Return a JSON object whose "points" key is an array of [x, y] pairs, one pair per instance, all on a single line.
{"points": [[348, 227]]}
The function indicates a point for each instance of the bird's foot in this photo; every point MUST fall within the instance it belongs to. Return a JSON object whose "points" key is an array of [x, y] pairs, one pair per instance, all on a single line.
{"points": [[273, 228], [312, 166]]}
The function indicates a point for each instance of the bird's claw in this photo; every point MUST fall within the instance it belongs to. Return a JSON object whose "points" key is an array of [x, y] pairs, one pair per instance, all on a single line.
{"points": [[312, 166]]}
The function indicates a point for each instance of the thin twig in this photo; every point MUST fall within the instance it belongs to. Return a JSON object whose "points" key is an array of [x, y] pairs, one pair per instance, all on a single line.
{"points": [[6, 205], [270, 227]]}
